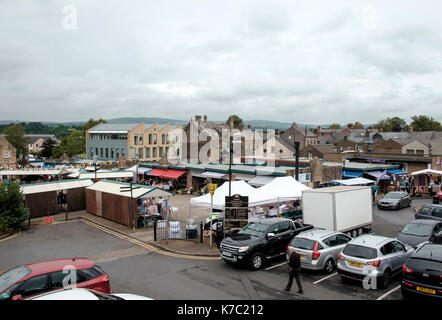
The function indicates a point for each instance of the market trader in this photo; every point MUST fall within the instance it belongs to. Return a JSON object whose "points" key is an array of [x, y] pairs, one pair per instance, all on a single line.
{"points": [[295, 269]]}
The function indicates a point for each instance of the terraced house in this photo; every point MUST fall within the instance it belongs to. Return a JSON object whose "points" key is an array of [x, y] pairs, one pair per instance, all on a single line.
{"points": [[133, 141], [8, 154]]}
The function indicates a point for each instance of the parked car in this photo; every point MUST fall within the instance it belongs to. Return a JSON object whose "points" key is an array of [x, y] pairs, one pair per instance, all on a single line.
{"points": [[86, 294], [437, 239], [260, 240], [395, 200], [429, 211], [374, 256], [419, 231], [35, 278], [422, 273], [318, 249]]}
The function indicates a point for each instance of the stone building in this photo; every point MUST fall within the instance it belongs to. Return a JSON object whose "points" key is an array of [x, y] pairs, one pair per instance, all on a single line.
{"points": [[8, 154]]}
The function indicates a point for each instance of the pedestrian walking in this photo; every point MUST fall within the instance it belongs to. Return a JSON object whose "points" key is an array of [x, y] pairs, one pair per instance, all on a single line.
{"points": [[294, 263], [374, 191]]}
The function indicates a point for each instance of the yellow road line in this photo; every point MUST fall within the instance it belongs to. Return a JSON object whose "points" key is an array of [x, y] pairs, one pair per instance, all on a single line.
{"points": [[147, 246]]}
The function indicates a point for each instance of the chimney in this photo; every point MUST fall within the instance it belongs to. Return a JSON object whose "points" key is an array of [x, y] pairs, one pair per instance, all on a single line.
{"points": [[205, 118], [198, 118], [319, 130], [231, 127], [249, 126], [367, 133], [277, 132]]}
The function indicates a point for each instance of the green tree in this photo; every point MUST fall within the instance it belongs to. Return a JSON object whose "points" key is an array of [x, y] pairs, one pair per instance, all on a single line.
{"points": [[236, 120], [394, 124], [91, 123], [335, 126], [15, 134], [12, 209], [75, 143], [48, 145], [425, 123]]}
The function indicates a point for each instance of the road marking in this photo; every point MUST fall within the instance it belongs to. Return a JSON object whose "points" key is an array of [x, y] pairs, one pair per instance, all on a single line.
{"points": [[388, 293], [11, 237], [276, 266], [147, 246], [320, 280]]}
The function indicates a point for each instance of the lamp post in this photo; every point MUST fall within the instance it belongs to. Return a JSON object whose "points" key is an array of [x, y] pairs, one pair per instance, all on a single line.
{"points": [[296, 143], [230, 165], [95, 167]]}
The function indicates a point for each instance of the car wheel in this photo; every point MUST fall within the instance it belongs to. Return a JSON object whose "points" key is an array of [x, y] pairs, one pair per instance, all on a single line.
{"points": [[256, 261], [354, 233], [360, 231], [385, 280], [329, 266]]}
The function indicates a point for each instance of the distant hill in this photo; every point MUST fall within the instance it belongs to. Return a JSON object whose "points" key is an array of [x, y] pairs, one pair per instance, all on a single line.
{"points": [[145, 120]]}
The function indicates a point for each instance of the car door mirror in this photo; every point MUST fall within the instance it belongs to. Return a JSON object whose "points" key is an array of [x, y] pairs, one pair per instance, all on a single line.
{"points": [[17, 297]]}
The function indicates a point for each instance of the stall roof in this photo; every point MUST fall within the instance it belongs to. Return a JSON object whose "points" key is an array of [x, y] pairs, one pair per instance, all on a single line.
{"points": [[349, 173], [33, 172], [214, 175], [397, 171], [114, 174], [426, 171], [54, 186], [353, 182], [173, 174], [259, 181], [114, 187], [377, 174], [141, 170], [157, 172]]}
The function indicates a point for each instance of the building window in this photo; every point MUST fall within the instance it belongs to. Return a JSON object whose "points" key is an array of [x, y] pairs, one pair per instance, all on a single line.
{"points": [[132, 153], [92, 153], [96, 152], [160, 152], [155, 138], [349, 148], [112, 153], [360, 148], [420, 152], [107, 153], [6, 154], [167, 138], [135, 139], [163, 139], [150, 138], [140, 153], [310, 155], [101, 152], [409, 151], [167, 151], [147, 152], [117, 151], [141, 139], [177, 152], [154, 152]]}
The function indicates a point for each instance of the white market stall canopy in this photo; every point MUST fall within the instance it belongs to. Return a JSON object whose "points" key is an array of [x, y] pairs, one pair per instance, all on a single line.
{"points": [[54, 186], [105, 175], [114, 187], [426, 171], [260, 181], [353, 182], [219, 198], [33, 172], [278, 190], [141, 170]]}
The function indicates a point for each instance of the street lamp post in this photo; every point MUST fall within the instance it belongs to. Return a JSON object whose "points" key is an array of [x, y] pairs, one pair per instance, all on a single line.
{"points": [[230, 166], [296, 143]]}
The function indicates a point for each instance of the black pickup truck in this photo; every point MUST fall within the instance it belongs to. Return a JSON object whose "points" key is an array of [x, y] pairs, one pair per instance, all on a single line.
{"points": [[259, 241]]}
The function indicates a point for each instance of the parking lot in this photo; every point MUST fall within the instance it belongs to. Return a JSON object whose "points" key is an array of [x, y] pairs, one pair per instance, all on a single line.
{"points": [[136, 269]]}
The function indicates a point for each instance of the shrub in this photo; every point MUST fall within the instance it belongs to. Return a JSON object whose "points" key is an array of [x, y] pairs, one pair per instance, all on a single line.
{"points": [[12, 208]]}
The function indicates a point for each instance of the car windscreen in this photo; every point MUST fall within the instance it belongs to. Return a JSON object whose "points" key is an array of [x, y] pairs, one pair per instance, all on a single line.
{"points": [[393, 195], [254, 229], [424, 264], [417, 229], [360, 251], [302, 243], [12, 276]]}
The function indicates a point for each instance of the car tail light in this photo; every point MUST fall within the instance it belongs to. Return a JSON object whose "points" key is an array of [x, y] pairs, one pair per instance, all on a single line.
{"points": [[341, 257], [316, 253], [407, 270], [375, 264], [407, 284]]}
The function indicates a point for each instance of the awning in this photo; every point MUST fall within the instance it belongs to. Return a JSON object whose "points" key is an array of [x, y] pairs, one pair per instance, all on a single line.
{"points": [[214, 175], [54, 186], [353, 182], [351, 174], [259, 181], [173, 174], [377, 174], [397, 172], [167, 174], [157, 172], [141, 170]]}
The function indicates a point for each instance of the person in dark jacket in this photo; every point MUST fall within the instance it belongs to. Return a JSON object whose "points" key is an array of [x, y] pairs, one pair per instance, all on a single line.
{"points": [[295, 269]]}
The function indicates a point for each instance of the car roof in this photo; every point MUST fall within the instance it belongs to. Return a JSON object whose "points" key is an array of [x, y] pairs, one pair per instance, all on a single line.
{"points": [[316, 234], [269, 221], [68, 294], [58, 265], [432, 205], [429, 251], [369, 240], [425, 221]]}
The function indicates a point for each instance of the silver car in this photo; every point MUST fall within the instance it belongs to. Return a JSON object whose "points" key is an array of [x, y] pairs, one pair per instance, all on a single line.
{"points": [[318, 249], [373, 257]]}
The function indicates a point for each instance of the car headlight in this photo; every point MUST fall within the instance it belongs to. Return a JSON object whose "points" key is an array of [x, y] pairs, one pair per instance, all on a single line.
{"points": [[243, 249]]}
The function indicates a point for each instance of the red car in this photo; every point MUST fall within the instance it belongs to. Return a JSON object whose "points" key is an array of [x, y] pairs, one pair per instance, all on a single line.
{"points": [[35, 278]]}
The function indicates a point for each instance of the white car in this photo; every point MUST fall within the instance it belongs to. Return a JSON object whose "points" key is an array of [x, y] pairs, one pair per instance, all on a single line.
{"points": [[87, 294]]}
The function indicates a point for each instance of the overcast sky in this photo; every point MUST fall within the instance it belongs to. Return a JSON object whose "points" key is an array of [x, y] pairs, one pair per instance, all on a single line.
{"points": [[312, 61]]}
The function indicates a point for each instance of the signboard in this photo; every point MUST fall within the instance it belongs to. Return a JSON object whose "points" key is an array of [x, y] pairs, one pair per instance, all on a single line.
{"points": [[212, 188], [304, 177], [236, 211]]}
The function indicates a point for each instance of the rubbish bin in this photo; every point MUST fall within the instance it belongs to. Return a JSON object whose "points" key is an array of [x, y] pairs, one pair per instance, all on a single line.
{"points": [[436, 199]]}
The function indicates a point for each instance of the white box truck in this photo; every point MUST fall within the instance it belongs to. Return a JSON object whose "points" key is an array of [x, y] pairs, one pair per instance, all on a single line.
{"points": [[346, 209]]}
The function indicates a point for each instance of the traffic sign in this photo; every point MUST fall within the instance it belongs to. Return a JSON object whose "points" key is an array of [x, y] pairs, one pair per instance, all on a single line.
{"points": [[212, 188]]}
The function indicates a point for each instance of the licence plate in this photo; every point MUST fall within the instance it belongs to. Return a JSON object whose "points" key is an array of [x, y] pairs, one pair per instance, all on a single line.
{"points": [[426, 290], [355, 264], [227, 254]]}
